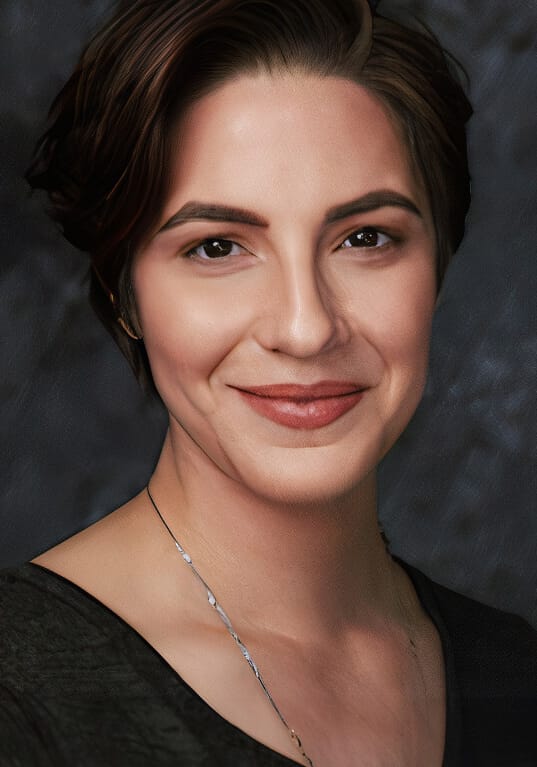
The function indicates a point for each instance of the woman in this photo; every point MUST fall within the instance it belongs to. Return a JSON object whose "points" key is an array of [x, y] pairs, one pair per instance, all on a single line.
{"points": [[270, 194]]}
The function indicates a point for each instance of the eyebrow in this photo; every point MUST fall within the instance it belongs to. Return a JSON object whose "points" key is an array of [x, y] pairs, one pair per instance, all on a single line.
{"points": [[201, 211], [370, 202]]}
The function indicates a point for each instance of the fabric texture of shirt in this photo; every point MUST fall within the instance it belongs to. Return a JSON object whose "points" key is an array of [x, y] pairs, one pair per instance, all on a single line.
{"points": [[79, 687]]}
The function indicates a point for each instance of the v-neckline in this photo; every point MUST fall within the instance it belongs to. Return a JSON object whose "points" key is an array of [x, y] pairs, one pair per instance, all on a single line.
{"points": [[162, 676]]}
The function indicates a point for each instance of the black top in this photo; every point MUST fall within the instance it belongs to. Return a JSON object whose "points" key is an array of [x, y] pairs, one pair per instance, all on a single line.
{"points": [[78, 686]]}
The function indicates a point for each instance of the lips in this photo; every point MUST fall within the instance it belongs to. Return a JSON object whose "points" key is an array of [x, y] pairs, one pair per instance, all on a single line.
{"points": [[301, 406]]}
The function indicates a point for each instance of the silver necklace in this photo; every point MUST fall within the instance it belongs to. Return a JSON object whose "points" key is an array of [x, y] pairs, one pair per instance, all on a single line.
{"points": [[227, 623]]}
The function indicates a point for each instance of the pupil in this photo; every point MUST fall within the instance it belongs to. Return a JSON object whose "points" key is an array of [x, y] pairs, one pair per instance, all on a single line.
{"points": [[367, 237], [217, 248]]}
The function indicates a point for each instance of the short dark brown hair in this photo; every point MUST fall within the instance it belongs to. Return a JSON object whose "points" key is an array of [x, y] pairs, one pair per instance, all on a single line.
{"points": [[104, 157]]}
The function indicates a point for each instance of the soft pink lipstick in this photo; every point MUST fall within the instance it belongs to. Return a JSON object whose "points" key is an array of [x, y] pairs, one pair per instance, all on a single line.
{"points": [[303, 407]]}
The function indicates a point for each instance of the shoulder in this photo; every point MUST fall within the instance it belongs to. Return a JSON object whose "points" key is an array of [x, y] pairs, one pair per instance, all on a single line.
{"points": [[495, 648], [69, 668], [58, 642], [35, 627], [491, 672], [475, 629], [43, 618], [30, 604], [79, 686]]}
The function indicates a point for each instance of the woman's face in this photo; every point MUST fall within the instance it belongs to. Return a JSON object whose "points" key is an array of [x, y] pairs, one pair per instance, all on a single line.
{"points": [[286, 298]]}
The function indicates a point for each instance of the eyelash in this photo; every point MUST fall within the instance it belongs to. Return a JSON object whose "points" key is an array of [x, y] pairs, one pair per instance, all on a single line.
{"points": [[365, 230]]}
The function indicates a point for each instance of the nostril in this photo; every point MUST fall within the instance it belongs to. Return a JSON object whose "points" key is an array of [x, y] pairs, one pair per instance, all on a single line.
{"points": [[301, 317]]}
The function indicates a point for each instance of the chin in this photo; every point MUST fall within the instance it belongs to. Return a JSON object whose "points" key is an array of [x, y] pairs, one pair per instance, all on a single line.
{"points": [[305, 477]]}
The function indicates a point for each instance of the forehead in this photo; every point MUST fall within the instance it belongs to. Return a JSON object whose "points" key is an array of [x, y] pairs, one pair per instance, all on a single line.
{"points": [[264, 141]]}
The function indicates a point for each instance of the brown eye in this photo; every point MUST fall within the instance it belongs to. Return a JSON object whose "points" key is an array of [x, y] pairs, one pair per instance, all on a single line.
{"points": [[368, 237], [215, 248]]}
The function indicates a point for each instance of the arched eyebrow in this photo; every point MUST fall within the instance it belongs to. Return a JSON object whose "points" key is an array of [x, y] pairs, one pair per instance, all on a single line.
{"points": [[369, 202], [203, 211]]}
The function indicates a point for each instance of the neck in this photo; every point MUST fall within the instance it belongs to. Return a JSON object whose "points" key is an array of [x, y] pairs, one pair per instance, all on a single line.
{"points": [[291, 570]]}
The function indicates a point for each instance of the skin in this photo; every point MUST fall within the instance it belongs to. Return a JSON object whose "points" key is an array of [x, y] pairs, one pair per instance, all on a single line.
{"points": [[283, 520]]}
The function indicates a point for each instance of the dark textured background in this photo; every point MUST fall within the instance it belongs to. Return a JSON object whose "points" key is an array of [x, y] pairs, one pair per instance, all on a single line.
{"points": [[458, 491]]}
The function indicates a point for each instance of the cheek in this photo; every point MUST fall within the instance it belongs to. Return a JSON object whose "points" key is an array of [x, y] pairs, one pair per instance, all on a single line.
{"points": [[400, 333], [393, 311], [406, 330], [186, 332], [407, 326]]}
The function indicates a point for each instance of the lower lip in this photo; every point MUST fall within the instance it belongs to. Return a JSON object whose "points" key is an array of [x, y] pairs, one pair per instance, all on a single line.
{"points": [[302, 414]]}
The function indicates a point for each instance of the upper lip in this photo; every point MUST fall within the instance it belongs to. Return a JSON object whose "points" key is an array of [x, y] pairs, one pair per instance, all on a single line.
{"points": [[304, 391]]}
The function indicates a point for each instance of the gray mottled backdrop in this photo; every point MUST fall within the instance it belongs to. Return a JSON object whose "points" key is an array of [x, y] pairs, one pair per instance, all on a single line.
{"points": [[458, 493]]}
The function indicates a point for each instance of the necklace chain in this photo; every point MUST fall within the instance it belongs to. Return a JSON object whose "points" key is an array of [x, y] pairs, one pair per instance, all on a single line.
{"points": [[227, 623]]}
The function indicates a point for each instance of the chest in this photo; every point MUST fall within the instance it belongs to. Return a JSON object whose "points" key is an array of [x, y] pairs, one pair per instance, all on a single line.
{"points": [[388, 712], [383, 708]]}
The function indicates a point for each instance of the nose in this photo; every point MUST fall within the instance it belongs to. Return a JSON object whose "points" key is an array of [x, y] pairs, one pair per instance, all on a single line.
{"points": [[301, 317]]}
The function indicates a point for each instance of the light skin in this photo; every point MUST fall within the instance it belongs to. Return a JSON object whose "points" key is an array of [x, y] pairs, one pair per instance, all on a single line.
{"points": [[327, 273]]}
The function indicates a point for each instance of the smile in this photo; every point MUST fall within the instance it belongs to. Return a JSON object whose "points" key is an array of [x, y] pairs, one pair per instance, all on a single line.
{"points": [[303, 407]]}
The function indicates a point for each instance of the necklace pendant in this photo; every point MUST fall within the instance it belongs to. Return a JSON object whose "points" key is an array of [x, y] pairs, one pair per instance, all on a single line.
{"points": [[298, 743]]}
